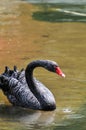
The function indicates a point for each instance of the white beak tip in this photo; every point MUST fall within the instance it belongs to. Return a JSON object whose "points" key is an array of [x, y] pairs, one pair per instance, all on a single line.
{"points": [[63, 75]]}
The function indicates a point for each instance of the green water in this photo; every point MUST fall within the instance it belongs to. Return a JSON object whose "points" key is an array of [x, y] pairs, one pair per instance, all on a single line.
{"points": [[29, 32]]}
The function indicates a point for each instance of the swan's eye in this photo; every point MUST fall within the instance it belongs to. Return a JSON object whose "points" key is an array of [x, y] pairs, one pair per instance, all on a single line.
{"points": [[55, 66]]}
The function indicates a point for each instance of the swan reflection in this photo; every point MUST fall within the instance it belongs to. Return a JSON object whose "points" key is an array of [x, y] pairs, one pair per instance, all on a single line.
{"points": [[27, 117]]}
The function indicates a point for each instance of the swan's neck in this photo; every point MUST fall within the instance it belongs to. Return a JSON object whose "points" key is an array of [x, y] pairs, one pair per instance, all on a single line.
{"points": [[29, 74]]}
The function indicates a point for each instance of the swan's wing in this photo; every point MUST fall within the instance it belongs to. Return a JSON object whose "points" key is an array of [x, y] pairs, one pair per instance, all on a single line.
{"points": [[13, 100], [21, 77], [23, 95]]}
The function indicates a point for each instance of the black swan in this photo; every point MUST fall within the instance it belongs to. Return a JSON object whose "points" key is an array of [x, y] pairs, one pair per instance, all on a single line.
{"points": [[22, 89]]}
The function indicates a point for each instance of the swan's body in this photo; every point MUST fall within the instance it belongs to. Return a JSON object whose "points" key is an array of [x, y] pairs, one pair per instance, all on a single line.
{"points": [[22, 89]]}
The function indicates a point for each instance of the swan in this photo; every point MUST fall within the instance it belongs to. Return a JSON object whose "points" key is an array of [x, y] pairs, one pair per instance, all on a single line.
{"points": [[24, 90]]}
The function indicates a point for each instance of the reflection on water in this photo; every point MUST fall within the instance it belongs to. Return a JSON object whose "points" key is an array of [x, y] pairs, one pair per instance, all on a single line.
{"points": [[25, 119], [28, 32], [69, 11], [61, 13], [59, 16]]}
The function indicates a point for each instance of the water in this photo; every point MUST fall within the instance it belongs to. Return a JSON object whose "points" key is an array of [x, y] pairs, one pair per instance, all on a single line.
{"points": [[60, 11], [57, 1], [33, 31]]}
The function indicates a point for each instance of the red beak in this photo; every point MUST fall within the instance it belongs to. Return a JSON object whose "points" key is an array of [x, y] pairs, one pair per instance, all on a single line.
{"points": [[59, 72]]}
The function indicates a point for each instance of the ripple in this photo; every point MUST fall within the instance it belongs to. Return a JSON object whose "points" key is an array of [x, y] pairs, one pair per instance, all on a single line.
{"points": [[75, 116], [67, 110], [71, 12]]}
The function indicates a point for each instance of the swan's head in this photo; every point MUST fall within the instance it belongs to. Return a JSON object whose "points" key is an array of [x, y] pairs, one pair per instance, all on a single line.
{"points": [[47, 64], [54, 67]]}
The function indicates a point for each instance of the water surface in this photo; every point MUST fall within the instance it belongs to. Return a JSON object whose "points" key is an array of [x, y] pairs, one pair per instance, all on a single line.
{"points": [[33, 31]]}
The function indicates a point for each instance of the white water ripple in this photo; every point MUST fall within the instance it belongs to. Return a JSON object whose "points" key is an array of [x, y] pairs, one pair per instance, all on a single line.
{"points": [[71, 12]]}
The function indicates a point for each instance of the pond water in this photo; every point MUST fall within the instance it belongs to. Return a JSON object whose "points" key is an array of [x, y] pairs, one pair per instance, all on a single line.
{"points": [[46, 31]]}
